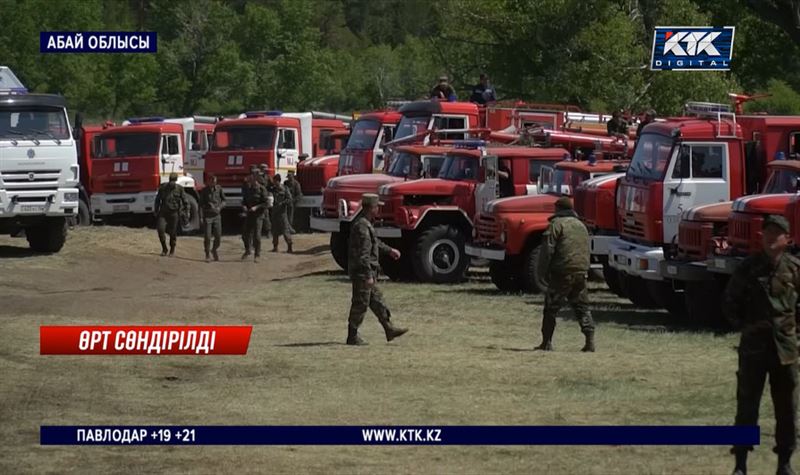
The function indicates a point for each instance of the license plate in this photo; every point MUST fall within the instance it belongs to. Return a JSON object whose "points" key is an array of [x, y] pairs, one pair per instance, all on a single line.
{"points": [[720, 263], [672, 270], [121, 208], [31, 208]]}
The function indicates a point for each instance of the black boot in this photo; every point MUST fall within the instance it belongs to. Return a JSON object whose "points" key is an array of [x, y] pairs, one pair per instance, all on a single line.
{"points": [[246, 254], [784, 464], [171, 250], [214, 253], [589, 345], [353, 338], [393, 332], [163, 250], [547, 341], [741, 463], [290, 248], [208, 257]]}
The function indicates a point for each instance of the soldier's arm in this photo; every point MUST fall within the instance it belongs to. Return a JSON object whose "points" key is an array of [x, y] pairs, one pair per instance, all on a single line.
{"points": [[157, 203], [733, 299], [547, 248], [383, 248], [362, 247], [184, 199]]}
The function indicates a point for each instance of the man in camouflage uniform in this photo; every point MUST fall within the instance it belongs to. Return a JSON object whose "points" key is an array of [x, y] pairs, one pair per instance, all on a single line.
{"points": [[616, 125], [297, 192], [263, 178], [563, 263], [170, 204], [254, 204], [280, 218], [212, 202], [363, 267], [761, 300]]}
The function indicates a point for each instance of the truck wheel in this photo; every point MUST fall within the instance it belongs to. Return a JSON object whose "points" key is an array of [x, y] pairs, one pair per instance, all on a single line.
{"points": [[611, 277], [339, 249], [636, 290], [666, 297], [439, 255], [704, 303], [84, 217], [531, 283], [47, 237], [506, 275], [397, 270], [193, 225]]}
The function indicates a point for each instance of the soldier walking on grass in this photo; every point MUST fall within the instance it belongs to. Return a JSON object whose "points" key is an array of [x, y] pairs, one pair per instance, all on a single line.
{"points": [[212, 202], [264, 180], [563, 263], [761, 301], [280, 217], [363, 267], [170, 204], [254, 203], [297, 192]]}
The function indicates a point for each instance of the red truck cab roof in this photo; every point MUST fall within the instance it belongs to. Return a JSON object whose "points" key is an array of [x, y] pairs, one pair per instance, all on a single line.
{"points": [[438, 107]]}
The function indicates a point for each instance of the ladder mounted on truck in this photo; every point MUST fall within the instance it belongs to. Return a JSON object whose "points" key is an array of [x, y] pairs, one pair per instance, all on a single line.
{"points": [[712, 110]]}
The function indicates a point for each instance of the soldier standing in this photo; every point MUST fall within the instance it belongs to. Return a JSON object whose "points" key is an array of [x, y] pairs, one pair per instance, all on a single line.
{"points": [[761, 300], [616, 125], [212, 202], [263, 179], [280, 218], [254, 203], [363, 267], [170, 204], [297, 193], [564, 261]]}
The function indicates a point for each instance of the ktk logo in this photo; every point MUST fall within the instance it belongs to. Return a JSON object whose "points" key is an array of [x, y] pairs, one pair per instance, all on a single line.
{"points": [[696, 43]]}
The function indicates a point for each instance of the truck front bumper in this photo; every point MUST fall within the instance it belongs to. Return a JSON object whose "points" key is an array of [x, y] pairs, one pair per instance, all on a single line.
{"points": [[313, 201], [106, 204], [636, 260], [599, 245], [493, 254], [685, 271], [388, 232], [724, 264], [60, 202]]}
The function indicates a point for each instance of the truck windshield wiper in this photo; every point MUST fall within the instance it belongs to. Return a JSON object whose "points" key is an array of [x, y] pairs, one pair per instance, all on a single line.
{"points": [[24, 136], [47, 133]]}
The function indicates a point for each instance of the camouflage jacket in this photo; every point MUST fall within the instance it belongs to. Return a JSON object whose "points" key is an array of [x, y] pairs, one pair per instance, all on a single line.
{"points": [[761, 300], [365, 250], [212, 200], [294, 188], [171, 199], [283, 198], [565, 246], [618, 126], [254, 196]]}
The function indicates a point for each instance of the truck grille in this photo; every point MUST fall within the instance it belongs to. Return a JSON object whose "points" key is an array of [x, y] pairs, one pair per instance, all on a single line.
{"points": [[632, 226], [30, 180], [312, 179], [123, 185], [744, 229], [386, 214], [487, 229], [231, 180], [694, 239]]}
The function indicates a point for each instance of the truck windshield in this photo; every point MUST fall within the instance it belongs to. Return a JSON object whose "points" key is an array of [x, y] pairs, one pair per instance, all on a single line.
{"points": [[408, 165], [782, 181], [412, 125], [127, 145], [651, 158], [41, 123], [558, 182], [459, 167], [244, 138], [364, 135]]}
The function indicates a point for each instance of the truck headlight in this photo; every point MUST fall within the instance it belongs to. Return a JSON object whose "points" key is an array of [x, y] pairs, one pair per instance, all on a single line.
{"points": [[149, 198], [70, 196], [503, 236]]}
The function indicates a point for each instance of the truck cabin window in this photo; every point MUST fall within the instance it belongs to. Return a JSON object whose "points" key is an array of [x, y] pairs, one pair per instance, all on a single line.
{"points": [[782, 181], [451, 123], [412, 125], [40, 123], [651, 158], [287, 139], [458, 167], [794, 145], [244, 138], [699, 161], [363, 135], [127, 145]]}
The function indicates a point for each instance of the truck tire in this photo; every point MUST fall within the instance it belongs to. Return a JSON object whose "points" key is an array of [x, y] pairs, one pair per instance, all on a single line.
{"points": [[84, 216], [667, 298], [302, 220], [439, 255], [531, 283], [704, 303], [193, 225], [339, 249], [611, 277], [505, 275], [636, 290], [397, 270], [49, 236]]}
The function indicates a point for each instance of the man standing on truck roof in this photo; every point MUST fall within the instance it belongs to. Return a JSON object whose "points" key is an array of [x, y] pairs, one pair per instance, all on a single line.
{"points": [[254, 205], [564, 262], [616, 126], [649, 117], [296, 191], [483, 92], [761, 300], [443, 91], [170, 204], [280, 214], [263, 179], [212, 202], [363, 266]]}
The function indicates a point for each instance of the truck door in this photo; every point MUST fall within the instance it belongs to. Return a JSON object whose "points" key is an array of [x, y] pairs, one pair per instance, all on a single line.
{"points": [[171, 156], [386, 134], [197, 141], [287, 153], [487, 190], [698, 175]]}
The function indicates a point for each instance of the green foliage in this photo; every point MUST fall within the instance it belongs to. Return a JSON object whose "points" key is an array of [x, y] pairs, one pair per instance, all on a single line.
{"points": [[782, 100], [225, 56]]}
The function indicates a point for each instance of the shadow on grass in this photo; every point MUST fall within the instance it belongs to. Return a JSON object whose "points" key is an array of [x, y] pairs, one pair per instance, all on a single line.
{"points": [[644, 320], [14, 252], [324, 248], [311, 344], [334, 276]]}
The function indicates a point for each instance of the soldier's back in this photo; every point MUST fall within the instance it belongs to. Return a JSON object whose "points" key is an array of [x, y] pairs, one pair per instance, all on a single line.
{"points": [[572, 250]]}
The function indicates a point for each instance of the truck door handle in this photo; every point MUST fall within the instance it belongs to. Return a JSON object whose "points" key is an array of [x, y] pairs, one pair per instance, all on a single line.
{"points": [[675, 191]]}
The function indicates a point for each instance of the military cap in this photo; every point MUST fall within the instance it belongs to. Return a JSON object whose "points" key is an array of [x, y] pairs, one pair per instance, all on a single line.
{"points": [[564, 203], [263, 166], [370, 199], [173, 176], [290, 172], [253, 168], [777, 220]]}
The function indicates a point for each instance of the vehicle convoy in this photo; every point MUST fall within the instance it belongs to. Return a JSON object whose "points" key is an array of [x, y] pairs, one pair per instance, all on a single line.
{"points": [[429, 220], [39, 169], [508, 231], [281, 140], [709, 157], [131, 161]]}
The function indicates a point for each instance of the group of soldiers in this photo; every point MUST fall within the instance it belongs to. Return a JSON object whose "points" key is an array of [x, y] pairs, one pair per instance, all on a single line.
{"points": [[267, 207]]}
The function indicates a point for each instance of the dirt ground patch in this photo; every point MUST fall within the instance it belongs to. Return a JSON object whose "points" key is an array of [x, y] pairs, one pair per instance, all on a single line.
{"points": [[467, 360]]}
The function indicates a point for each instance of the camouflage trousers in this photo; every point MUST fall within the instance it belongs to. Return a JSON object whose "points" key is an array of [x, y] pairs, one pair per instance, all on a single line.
{"points": [[212, 225], [251, 232], [365, 297], [571, 289], [266, 228], [167, 223], [750, 378]]}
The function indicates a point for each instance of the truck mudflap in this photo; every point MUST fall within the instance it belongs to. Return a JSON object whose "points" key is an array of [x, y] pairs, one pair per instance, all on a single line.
{"points": [[328, 225], [598, 245], [685, 271], [635, 259], [484, 252], [312, 201], [723, 264]]}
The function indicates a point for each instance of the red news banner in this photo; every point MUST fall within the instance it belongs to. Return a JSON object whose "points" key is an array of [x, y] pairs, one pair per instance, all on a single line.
{"points": [[144, 340]]}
